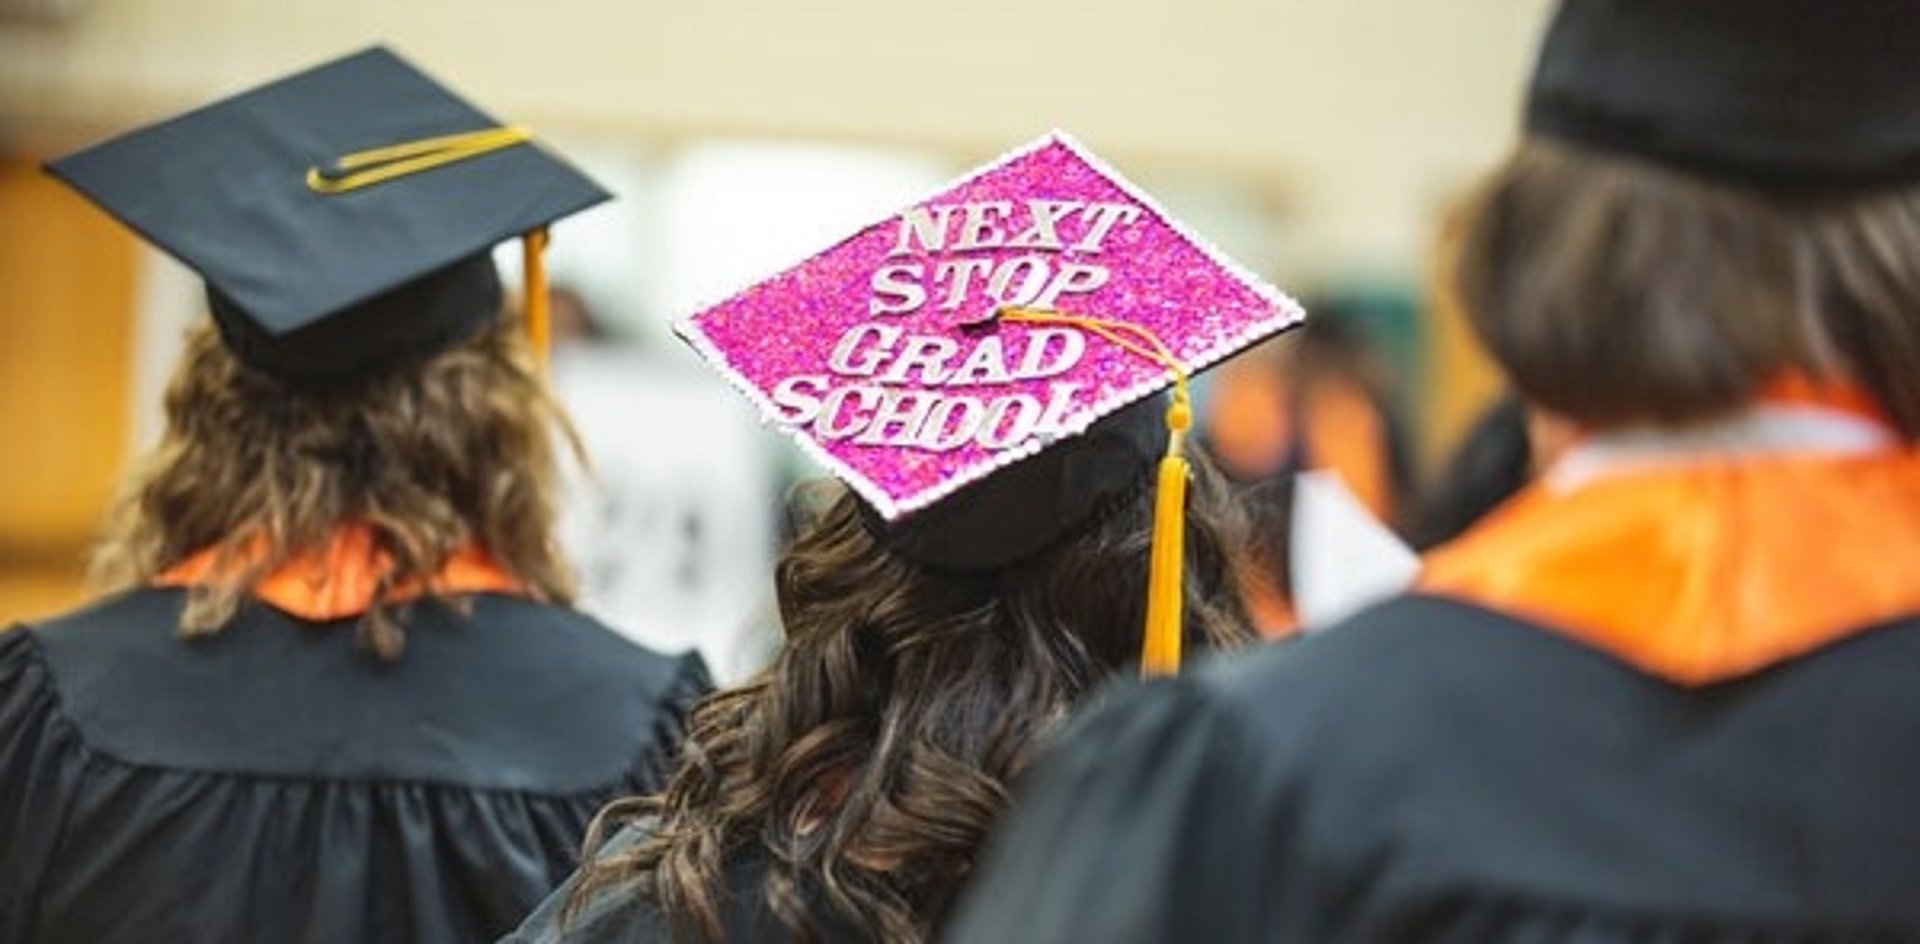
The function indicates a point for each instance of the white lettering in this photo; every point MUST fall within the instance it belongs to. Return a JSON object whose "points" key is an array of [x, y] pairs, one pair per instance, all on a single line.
{"points": [[1074, 278], [1033, 362], [1102, 217], [841, 360], [899, 282], [1053, 420], [799, 406], [961, 272], [1031, 283], [1044, 233], [979, 229], [1009, 420], [929, 352], [897, 420], [985, 364], [828, 427], [942, 431], [926, 224]]}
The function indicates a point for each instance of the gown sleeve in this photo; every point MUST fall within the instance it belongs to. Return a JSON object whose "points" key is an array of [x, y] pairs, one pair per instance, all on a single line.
{"points": [[615, 914], [40, 757], [691, 682], [611, 915], [1137, 826]]}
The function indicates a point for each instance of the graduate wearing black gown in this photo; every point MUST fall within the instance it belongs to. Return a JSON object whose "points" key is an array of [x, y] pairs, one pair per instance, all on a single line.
{"points": [[333, 693], [274, 782], [949, 609], [1668, 693]]}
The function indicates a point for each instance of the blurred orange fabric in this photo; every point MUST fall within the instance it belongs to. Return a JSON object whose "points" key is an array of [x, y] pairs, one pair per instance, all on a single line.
{"points": [[1252, 432], [1706, 571], [343, 578]]}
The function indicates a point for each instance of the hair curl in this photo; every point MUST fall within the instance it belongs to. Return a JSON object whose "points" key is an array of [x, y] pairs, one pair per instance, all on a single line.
{"points": [[431, 456], [870, 761]]}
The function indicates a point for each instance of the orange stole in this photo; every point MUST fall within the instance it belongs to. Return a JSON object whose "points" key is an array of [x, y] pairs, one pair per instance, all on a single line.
{"points": [[340, 578], [1704, 571]]}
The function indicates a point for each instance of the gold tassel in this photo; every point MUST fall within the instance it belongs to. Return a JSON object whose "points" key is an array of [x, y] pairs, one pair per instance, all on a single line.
{"points": [[1160, 643], [533, 246], [1166, 569]]}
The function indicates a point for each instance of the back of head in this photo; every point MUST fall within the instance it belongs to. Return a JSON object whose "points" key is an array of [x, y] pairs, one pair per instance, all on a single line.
{"points": [[1017, 446], [361, 383], [430, 456], [865, 767], [1711, 196]]}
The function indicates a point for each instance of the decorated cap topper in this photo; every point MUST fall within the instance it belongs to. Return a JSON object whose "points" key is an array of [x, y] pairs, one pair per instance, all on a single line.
{"points": [[888, 357]]}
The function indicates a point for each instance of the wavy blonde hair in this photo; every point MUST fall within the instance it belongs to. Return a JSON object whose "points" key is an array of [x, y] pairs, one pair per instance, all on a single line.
{"points": [[432, 456]]}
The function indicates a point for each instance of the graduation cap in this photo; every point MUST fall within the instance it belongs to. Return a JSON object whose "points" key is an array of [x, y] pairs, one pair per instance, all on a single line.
{"points": [[988, 368], [342, 216], [1778, 93]]}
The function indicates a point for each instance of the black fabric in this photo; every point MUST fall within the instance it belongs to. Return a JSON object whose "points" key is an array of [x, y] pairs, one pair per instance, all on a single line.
{"points": [[275, 782], [1434, 772], [623, 914], [423, 317], [1778, 93], [1023, 509], [225, 189], [1493, 462]]}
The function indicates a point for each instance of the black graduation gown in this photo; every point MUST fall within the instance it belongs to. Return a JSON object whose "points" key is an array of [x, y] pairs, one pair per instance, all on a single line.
{"points": [[274, 782], [623, 915], [1436, 772]]}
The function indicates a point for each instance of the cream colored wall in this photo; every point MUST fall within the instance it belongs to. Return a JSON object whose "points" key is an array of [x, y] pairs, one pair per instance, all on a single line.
{"points": [[1315, 138], [1356, 118]]}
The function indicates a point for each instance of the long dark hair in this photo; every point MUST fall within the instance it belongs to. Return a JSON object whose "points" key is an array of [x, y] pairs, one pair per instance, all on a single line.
{"points": [[866, 766]]}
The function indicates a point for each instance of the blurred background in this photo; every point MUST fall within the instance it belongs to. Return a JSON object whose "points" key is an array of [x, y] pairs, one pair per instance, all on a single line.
{"points": [[1322, 143]]}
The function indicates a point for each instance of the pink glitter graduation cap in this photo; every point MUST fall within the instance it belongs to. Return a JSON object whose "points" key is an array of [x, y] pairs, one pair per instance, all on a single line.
{"points": [[885, 356]]}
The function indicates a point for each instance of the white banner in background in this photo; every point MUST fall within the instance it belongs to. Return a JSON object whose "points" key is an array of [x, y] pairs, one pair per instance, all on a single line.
{"points": [[673, 534]]}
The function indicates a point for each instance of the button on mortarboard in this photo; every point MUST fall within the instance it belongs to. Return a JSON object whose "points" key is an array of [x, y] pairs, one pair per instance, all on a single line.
{"points": [[341, 216]]}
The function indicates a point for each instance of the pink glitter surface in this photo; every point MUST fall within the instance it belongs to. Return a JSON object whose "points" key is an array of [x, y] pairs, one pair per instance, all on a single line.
{"points": [[1200, 304]]}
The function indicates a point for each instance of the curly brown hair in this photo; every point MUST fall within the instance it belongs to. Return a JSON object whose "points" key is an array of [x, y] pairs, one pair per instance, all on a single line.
{"points": [[430, 456], [869, 762]]}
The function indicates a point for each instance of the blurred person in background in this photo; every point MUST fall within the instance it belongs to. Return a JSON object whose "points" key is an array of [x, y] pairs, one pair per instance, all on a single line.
{"points": [[842, 793], [1501, 453], [1317, 399], [333, 691], [1667, 692], [1492, 462]]}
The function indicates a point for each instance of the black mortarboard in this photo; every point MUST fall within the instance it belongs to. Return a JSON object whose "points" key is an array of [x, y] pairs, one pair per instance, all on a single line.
{"points": [[987, 367], [1778, 93], [341, 217], [1032, 505]]}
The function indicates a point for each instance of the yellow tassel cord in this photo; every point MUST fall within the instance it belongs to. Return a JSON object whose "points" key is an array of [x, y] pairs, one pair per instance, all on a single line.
{"points": [[381, 164], [1161, 636], [533, 249]]}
